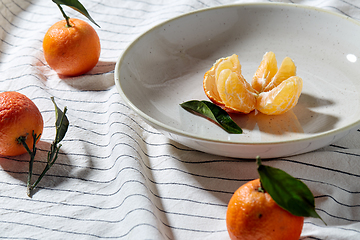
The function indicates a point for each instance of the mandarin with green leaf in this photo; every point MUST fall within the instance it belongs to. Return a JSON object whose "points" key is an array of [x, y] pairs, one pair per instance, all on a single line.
{"points": [[253, 215]]}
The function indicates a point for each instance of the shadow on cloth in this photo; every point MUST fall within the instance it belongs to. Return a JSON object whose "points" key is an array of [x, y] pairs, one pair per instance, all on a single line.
{"points": [[216, 175], [18, 167], [101, 77]]}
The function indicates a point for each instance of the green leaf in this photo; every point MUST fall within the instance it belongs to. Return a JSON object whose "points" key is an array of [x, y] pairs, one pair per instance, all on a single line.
{"points": [[76, 5], [288, 192], [214, 112], [61, 124]]}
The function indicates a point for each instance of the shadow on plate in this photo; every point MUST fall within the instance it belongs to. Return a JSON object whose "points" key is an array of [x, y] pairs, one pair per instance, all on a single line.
{"points": [[275, 125], [300, 119]]}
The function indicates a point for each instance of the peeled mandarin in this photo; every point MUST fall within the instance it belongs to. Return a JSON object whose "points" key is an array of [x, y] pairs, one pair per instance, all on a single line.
{"points": [[272, 91]]}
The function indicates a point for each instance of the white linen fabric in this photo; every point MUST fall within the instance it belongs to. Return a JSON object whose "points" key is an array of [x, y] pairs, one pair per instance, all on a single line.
{"points": [[117, 177]]}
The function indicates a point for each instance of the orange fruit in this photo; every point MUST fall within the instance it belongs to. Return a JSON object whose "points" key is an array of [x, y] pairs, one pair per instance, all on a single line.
{"points": [[19, 116], [253, 215], [225, 86], [73, 50]]}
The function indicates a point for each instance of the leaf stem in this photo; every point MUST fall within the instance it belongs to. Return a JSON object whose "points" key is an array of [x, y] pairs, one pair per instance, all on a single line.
{"points": [[52, 154], [47, 167], [67, 18], [32, 154], [258, 162]]}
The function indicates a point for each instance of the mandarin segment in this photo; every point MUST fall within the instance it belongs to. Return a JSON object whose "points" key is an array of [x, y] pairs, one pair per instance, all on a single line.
{"points": [[281, 98], [232, 63], [265, 72], [19, 117], [234, 92], [210, 88], [253, 215], [286, 70]]}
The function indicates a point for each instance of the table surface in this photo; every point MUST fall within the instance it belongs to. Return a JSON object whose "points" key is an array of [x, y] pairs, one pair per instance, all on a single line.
{"points": [[118, 178]]}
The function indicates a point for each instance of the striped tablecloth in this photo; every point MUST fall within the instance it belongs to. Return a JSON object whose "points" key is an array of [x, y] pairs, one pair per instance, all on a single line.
{"points": [[118, 178]]}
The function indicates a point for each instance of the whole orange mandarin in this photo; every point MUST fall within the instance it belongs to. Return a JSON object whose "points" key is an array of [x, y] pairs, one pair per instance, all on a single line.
{"points": [[253, 215], [73, 50], [19, 116]]}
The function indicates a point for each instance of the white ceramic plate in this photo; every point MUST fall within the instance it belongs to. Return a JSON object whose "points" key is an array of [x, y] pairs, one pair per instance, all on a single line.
{"points": [[165, 66]]}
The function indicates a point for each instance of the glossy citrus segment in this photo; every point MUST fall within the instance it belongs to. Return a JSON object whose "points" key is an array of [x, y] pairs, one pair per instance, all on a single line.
{"points": [[19, 117], [286, 70], [232, 63], [210, 88], [254, 215], [234, 92], [265, 72], [281, 98], [210, 77]]}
